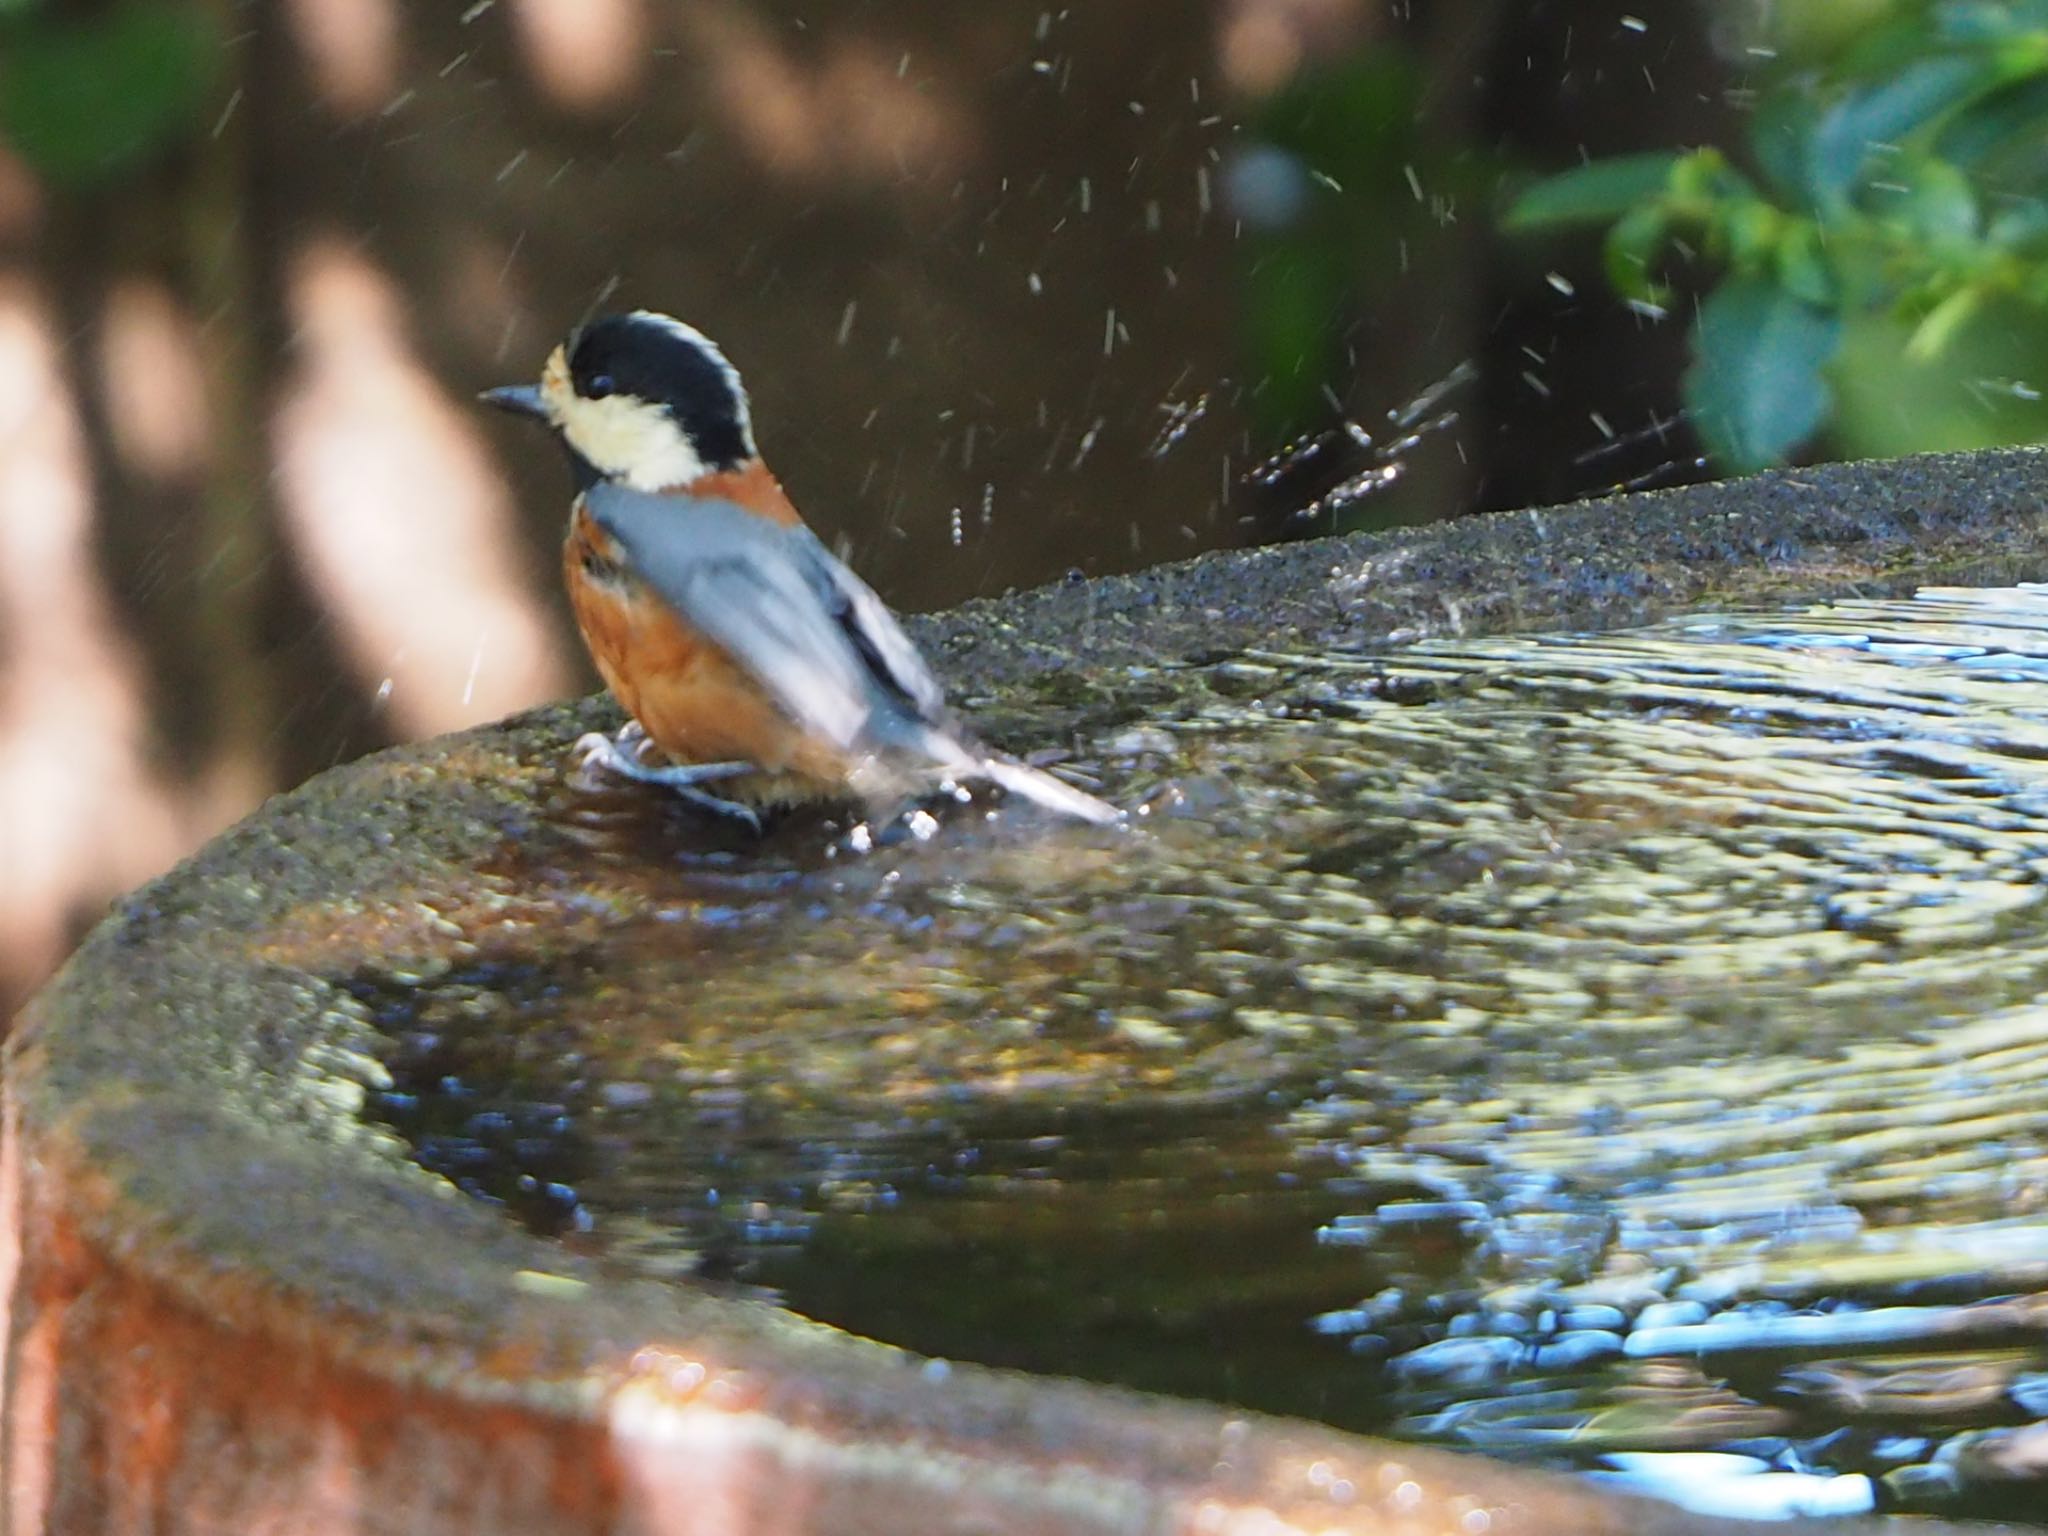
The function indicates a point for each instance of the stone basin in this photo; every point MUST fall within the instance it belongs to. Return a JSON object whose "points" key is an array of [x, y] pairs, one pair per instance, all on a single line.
{"points": [[252, 1285]]}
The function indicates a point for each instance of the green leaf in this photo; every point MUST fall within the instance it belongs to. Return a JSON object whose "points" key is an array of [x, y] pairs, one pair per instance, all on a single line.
{"points": [[1818, 31], [1751, 230], [84, 100], [2007, 122], [2019, 226], [1631, 253], [1939, 207], [1706, 177], [1591, 194], [1755, 389], [1781, 138], [1931, 337], [1886, 45], [1802, 266], [1990, 21], [1975, 394], [1871, 120]]}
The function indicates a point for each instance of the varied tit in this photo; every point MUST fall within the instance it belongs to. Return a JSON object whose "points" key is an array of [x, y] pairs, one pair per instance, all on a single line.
{"points": [[750, 656]]}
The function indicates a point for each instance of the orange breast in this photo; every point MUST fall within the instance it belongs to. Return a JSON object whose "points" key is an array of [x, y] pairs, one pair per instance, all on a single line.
{"points": [[693, 700]]}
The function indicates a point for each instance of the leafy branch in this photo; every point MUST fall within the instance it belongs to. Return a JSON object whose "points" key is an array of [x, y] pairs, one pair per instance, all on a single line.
{"points": [[1902, 178]]}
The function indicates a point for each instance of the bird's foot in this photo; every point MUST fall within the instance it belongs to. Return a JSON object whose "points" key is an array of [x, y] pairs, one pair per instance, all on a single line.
{"points": [[621, 755]]}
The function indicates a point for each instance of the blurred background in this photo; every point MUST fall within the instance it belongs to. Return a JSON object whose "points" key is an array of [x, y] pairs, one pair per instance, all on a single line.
{"points": [[1019, 291]]}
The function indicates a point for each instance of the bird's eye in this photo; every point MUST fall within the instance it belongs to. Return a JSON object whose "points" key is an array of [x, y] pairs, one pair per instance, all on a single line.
{"points": [[598, 386]]}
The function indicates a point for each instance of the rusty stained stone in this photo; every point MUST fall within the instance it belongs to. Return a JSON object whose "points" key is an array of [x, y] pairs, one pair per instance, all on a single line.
{"points": [[132, 1407], [205, 1407], [207, 1404]]}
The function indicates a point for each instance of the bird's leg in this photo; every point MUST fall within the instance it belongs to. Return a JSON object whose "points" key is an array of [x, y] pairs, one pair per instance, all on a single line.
{"points": [[620, 754]]}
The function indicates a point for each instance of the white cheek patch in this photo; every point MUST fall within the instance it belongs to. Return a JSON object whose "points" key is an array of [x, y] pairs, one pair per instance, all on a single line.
{"points": [[628, 440]]}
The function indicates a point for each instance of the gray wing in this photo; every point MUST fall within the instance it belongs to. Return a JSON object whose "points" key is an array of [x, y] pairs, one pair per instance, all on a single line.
{"points": [[822, 643]]}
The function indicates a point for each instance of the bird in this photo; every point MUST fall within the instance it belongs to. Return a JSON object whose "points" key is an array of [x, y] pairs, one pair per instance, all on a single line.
{"points": [[744, 651]]}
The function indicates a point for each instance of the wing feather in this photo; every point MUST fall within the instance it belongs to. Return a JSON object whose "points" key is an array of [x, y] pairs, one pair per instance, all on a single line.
{"points": [[771, 596], [891, 654]]}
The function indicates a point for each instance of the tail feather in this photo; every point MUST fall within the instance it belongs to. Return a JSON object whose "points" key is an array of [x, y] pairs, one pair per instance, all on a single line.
{"points": [[1043, 789]]}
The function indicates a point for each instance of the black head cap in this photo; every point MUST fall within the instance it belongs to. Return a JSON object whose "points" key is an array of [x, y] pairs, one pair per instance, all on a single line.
{"points": [[675, 366]]}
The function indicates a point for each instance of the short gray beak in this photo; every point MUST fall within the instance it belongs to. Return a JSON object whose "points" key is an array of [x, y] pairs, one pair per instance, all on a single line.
{"points": [[519, 399]]}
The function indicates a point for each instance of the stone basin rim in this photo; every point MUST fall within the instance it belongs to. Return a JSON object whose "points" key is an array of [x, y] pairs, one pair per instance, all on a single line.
{"points": [[191, 1035]]}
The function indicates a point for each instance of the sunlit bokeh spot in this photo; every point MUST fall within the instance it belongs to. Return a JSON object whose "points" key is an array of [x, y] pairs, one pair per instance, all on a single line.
{"points": [[861, 112], [21, 198], [489, 309], [584, 54], [154, 381], [393, 506], [894, 123], [82, 814], [1262, 44], [351, 50]]}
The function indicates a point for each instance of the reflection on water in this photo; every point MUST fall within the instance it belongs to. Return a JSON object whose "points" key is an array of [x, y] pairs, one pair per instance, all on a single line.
{"points": [[1559, 1046]]}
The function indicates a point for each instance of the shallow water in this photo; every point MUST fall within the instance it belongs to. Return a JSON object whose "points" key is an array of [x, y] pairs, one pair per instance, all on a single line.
{"points": [[1461, 1024]]}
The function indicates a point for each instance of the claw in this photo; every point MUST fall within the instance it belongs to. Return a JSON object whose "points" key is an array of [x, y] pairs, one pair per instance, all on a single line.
{"points": [[594, 747], [620, 755]]}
